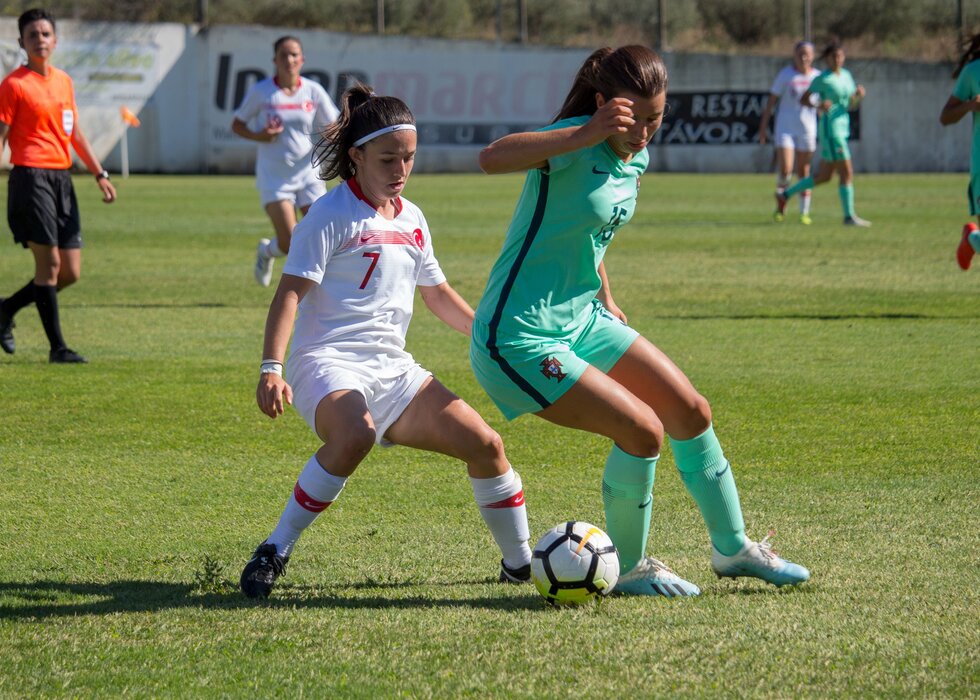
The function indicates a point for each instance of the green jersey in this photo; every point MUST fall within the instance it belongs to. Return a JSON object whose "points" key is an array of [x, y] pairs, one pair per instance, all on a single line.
{"points": [[967, 87], [838, 88], [546, 276]]}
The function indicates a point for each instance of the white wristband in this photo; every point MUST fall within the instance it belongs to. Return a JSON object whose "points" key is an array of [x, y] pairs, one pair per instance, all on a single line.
{"points": [[271, 367]]}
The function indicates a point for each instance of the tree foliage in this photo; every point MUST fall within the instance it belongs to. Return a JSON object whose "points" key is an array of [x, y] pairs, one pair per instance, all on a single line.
{"points": [[688, 24]]}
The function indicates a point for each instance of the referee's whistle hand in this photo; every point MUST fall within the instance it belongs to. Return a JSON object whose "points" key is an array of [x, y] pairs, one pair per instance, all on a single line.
{"points": [[108, 191]]}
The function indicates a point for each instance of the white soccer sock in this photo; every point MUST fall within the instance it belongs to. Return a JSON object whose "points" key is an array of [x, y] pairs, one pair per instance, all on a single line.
{"points": [[501, 502], [782, 182], [805, 201], [272, 249], [315, 489]]}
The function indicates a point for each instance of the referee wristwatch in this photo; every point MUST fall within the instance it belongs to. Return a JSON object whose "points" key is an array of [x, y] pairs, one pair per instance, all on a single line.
{"points": [[104, 175]]}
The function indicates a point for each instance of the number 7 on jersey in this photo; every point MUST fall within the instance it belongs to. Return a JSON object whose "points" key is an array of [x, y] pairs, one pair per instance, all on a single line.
{"points": [[374, 263]]}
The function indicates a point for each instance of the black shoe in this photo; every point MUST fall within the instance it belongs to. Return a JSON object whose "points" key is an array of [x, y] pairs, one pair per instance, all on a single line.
{"points": [[519, 575], [262, 570], [66, 356], [6, 335]]}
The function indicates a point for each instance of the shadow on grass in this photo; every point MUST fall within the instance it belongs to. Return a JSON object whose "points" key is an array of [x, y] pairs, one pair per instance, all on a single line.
{"points": [[45, 599]]}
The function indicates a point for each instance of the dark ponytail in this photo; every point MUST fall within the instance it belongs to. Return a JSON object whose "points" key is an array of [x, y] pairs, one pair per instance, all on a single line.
{"points": [[361, 113], [635, 69], [971, 52]]}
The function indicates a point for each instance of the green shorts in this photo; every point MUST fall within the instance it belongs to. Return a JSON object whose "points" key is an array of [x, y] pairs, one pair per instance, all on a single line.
{"points": [[834, 148], [525, 374]]}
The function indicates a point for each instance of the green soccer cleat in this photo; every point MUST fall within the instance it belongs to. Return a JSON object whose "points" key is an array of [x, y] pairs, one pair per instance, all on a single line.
{"points": [[805, 219]]}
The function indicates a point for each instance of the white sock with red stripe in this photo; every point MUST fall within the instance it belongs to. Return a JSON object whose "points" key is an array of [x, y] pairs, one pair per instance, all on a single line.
{"points": [[501, 502], [805, 201], [315, 489]]}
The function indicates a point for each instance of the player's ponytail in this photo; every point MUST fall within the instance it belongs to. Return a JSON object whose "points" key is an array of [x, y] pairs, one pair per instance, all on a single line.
{"points": [[581, 98], [635, 69], [971, 53], [361, 113]]}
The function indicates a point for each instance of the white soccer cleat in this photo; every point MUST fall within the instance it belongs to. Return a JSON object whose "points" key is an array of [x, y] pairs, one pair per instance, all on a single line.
{"points": [[759, 561], [263, 263], [857, 221], [652, 577]]}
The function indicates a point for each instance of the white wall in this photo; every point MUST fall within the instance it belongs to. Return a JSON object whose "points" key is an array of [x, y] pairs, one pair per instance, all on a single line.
{"points": [[183, 83]]}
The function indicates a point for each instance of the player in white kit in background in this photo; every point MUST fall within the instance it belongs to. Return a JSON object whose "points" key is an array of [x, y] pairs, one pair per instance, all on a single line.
{"points": [[795, 132], [355, 262], [284, 114]]}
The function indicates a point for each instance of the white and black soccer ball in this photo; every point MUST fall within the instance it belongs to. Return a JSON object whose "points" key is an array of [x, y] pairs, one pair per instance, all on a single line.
{"points": [[573, 563]]}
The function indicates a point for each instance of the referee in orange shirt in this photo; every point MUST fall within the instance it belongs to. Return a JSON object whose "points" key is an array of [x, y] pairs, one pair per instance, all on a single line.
{"points": [[39, 118]]}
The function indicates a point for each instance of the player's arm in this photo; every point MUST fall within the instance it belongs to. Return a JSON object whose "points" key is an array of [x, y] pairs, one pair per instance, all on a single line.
{"points": [[764, 120], [955, 109], [448, 306], [273, 392], [532, 149], [84, 150], [605, 295], [267, 135], [807, 101], [856, 98]]}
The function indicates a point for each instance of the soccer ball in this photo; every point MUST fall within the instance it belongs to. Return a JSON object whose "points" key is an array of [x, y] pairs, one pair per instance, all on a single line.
{"points": [[573, 563]]}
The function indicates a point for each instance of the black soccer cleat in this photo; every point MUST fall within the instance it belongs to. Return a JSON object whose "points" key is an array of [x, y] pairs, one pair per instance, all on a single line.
{"points": [[262, 570], [522, 574], [6, 331], [66, 356]]}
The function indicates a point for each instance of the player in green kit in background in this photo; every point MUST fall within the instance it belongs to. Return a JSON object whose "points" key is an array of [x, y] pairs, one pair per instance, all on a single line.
{"points": [[966, 99], [838, 95], [548, 338]]}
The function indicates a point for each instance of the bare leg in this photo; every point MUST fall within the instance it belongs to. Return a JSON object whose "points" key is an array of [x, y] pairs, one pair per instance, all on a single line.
{"points": [[283, 217], [439, 421]]}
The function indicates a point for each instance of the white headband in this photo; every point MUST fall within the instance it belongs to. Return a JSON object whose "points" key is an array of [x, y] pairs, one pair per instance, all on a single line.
{"points": [[381, 132]]}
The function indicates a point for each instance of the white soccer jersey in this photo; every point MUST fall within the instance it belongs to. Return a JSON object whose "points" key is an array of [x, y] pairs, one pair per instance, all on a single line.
{"points": [[366, 269], [791, 116], [286, 161]]}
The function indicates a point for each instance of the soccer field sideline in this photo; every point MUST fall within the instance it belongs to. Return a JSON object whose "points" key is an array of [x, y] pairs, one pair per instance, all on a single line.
{"points": [[840, 365]]}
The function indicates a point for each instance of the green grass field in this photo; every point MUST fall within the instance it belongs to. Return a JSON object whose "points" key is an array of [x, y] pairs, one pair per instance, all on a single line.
{"points": [[841, 365]]}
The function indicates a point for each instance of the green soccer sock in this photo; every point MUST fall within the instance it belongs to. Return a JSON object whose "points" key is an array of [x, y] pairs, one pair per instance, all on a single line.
{"points": [[627, 494], [804, 184], [708, 478], [847, 200]]}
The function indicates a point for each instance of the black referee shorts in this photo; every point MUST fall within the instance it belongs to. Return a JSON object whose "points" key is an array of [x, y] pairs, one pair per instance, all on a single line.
{"points": [[42, 209]]}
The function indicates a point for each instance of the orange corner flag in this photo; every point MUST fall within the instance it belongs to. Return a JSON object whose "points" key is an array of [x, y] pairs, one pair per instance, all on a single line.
{"points": [[128, 117]]}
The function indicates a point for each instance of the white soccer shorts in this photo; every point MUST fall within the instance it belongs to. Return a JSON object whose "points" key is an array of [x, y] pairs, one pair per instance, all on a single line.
{"points": [[312, 379]]}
